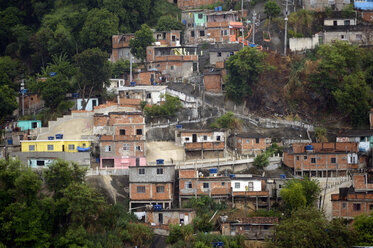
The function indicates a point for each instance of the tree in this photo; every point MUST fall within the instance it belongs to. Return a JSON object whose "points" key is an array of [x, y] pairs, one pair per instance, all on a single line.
{"points": [[98, 28], [168, 23], [271, 9], [320, 134], [93, 72], [354, 99], [363, 226], [261, 161], [143, 38], [308, 228], [244, 69], [298, 194], [120, 67], [8, 102], [138, 235], [53, 91], [227, 121], [168, 108], [301, 22]]}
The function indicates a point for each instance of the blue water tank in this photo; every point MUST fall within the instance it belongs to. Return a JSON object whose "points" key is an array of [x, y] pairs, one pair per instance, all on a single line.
{"points": [[97, 160], [232, 175], [179, 126], [213, 170], [282, 176], [50, 138], [157, 207], [309, 147], [75, 95], [10, 141], [216, 9], [59, 136], [220, 8], [160, 161], [133, 83], [184, 21]]}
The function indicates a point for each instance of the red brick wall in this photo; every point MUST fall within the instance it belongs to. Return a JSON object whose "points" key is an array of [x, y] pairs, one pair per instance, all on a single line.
{"points": [[360, 181], [187, 173], [125, 119], [204, 145], [323, 163], [367, 16], [337, 146], [150, 191], [100, 120], [221, 187], [346, 208], [249, 144], [212, 82]]}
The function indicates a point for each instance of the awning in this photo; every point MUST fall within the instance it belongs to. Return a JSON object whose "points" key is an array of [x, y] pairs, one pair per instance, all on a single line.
{"points": [[235, 25]]}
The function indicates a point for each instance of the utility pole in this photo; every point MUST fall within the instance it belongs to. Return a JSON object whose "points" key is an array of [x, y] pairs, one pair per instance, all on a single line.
{"points": [[130, 68], [23, 96], [286, 26], [254, 20], [243, 43]]}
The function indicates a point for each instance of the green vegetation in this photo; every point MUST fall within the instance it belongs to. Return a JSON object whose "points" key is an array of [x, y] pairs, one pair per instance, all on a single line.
{"points": [[262, 160], [120, 67], [320, 134], [227, 121], [300, 24], [243, 69], [57, 209], [272, 10], [143, 38], [168, 23], [168, 108], [363, 226]]}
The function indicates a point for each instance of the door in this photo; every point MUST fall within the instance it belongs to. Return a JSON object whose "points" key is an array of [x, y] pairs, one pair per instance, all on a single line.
{"points": [[137, 161], [160, 219], [63, 148], [194, 138]]}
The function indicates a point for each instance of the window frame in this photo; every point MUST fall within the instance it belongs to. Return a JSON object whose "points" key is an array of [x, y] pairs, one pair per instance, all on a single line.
{"points": [[122, 131], [140, 191], [139, 131], [71, 147], [141, 171], [33, 147], [237, 183], [160, 171], [206, 185], [50, 147], [160, 189]]}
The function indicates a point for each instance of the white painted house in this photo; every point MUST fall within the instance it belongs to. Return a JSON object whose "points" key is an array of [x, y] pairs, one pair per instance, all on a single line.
{"points": [[92, 102]]}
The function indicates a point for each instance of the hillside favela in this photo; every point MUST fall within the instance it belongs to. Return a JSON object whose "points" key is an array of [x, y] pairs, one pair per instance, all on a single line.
{"points": [[186, 123]]}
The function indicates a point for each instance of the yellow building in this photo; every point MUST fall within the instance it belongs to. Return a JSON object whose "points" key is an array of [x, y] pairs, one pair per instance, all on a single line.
{"points": [[54, 145]]}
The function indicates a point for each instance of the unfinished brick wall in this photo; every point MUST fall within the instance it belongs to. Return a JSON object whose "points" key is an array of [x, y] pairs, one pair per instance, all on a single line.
{"points": [[122, 118], [352, 206], [215, 186], [363, 181], [204, 145], [320, 161], [212, 82], [151, 192], [246, 145], [188, 173], [329, 146]]}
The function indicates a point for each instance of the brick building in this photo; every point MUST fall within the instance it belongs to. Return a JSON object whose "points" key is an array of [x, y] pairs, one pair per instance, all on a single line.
{"points": [[356, 200], [122, 139], [151, 185], [322, 159], [213, 81], [253, 228], [149, 94], [193, 184], [201, 141], [251, 143], [222, 53], [32, 103], [247, 188], [166, 217], [173, 63]]}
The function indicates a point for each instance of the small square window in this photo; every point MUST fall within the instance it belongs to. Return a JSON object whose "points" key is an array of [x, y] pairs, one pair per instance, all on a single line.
{"points": [[206, 185], [222, 183], [148, 95], [202, 33], [140, 189], [188, 185], [200, 16], [192, 33], [257, 140], [40, 162], [50, 147], [172, 67], [313, 160], [31, 147], [297, 158], [371, 207], [138, 148], [344, 205], [138, 131], [71, 147], [204, 137], [159, 171], [265, 227], [218, 138], [122, 132], [126, 147], [356, 206], [107, 148], [305, 157], [333, 160], [160, 189], [237, 185], [142, 171], [219, 54]]}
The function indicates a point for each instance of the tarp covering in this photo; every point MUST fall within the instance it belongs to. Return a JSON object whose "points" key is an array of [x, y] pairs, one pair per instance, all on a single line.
{"points": [[367, 5]]}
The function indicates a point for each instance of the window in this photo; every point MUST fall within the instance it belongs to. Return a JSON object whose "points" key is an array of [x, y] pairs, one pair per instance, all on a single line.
{"points": [[188, 185], [126, 147], [192, 33], [107, 148], [71, 147], [202, 33], [204, 137], [173, 38], [246, 228], [342, 37], [265, 227], [359, 37], [50, 147], [219, 54], [122, 132], [257, 140], [140, 189], [158, 65], [160, 189], [297, 158], [31, 147], [371, 207], [250, 186], [200, 16], [333, 160], [369, 177], [237, 185], [222, 183], [34, 124], [187, 139], [347, 22], [313, 160], [159, 171], [40, 162], [142, 171], [344, 205], [149, 95], [138, 131], [172, 67], [356, 206], [138, 148], [206, 185], [305, 157]]}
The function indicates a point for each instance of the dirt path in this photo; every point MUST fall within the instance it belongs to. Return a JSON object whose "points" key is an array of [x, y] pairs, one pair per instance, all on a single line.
{"points": [[164, 150]]}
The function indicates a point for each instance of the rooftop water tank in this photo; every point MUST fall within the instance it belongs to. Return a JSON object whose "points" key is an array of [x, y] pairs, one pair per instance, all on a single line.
{"points": [[216, 9], [59, 136], [309, 148], [160, 161], [10, 141], [157, 207], [179, 126], [220, 8], [50, 138], [213, 170], [133, 83]]}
